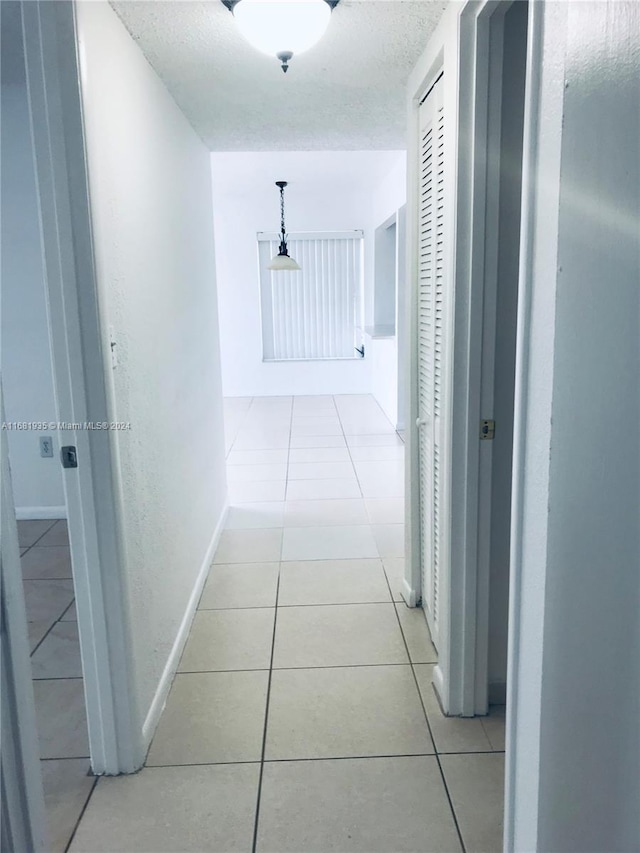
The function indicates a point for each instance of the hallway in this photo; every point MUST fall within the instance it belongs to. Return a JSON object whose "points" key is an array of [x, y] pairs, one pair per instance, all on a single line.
{"points": [[302, 717]]}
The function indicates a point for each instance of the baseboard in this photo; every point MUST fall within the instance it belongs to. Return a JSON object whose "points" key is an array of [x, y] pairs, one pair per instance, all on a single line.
{"points": [[437, 681], [27, 513], [164, 685], [408, 594]]}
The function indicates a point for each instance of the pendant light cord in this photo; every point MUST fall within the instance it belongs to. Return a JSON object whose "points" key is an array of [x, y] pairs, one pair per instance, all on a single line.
{"points": [[282, 231]]}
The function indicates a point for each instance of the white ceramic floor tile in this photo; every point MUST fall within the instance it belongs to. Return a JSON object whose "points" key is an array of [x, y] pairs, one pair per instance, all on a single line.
{"points": [[370, 805], [210, 718], [56, 535], [229, 640], [256, 473], [61, 718], [31, 530], [320, 470], [70, 614], [494, 726], [258, 441], [378, 485], [332, 582], [325, 513], [37, 630], [305, 441], [389, 539], [47, 563], [249, 546], [253, 516], [266, 491], [385, 510], [476, 788], [388, 470], [257, 457], [387, 439], [340, 635], [416, 634], [366, 427], [392, 452], [317, 428], [46, 600], [169, 809], [328, 543], [319, 454], [59, 655], [299, 490], [394, 570], [313, 418], [67, 785], [450, 734], [240, 585], [324, 411], [345, 712]]}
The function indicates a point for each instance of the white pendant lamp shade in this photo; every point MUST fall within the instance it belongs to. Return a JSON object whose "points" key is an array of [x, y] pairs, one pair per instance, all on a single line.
{"points": [[283, 262], [282, 26]]}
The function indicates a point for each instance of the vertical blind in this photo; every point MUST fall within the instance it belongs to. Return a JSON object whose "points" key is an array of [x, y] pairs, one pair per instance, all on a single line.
{"points": [[314, 313]]}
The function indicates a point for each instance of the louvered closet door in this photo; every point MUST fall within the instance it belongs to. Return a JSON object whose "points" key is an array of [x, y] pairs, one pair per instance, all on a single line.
{"points": [[431, 317]]}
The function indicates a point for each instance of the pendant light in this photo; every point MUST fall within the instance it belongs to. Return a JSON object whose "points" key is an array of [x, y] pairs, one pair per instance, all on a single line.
{"points": [[282, 261], [282, 28]]}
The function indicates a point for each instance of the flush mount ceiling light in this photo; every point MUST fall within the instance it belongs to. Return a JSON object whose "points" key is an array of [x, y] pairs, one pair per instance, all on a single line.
{"points": [[282, 261], [282, 28]]}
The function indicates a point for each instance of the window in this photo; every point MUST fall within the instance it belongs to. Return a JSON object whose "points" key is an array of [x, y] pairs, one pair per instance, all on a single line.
{"points": [[314, 313]]}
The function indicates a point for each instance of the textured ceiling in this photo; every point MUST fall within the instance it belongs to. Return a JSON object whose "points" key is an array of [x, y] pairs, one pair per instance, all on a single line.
{"points": [[346, 93]]}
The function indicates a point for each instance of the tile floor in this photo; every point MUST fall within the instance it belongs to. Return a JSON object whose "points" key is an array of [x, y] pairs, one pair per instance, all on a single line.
{"points": [[302, 716], [57, 675]]}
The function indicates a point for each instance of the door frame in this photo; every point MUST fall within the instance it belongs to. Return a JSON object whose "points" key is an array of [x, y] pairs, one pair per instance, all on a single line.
{"points": [[461, 49], [79, 369], [22, 818]]}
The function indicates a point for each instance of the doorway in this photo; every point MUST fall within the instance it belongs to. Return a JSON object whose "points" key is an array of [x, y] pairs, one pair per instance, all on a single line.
{"points": [[53, 372], [465, 223]]}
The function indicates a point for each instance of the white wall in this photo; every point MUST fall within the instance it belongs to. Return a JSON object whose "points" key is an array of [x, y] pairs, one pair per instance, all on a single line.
{"points": [[328, 191], [26, 358], [594, 531], [573, 758], [150, 189], [388, 197]]}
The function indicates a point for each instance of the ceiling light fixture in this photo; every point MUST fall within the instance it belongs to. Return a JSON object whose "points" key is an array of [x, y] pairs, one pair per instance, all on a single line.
{"points": [[283, 28], [282, 261]]}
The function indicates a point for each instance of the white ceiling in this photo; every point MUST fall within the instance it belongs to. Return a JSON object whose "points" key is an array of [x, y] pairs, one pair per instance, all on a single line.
{"points": [[347, 93]]}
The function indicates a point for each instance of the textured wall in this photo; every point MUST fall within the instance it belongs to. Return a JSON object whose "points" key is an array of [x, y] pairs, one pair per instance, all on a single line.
{"points": [[151, 202], [26, 358]]}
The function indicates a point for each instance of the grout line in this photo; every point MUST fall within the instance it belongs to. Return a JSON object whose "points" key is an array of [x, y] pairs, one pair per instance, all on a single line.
{"points": [[433, 740], [266, 720], [317, 758], [52, 626], [286, 668], [287, 606], [81, 815], [54, 521], [57, 678], [377, 756], [67, 758], [353, 465]]}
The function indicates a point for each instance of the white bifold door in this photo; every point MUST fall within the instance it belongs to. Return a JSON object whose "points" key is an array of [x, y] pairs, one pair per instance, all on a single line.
{"points": [[432, 313]]}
